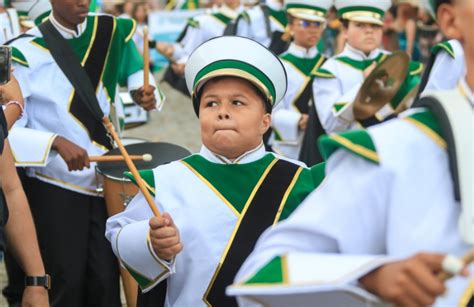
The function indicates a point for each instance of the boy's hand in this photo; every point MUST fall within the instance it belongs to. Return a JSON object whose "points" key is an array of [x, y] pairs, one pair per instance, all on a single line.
{"points": [[164, 237], [145, 97], [303, 123], [75, 156], [411, 282]]}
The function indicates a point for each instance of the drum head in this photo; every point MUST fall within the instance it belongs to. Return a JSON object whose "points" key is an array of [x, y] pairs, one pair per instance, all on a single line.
{"points": [[162, 153]]}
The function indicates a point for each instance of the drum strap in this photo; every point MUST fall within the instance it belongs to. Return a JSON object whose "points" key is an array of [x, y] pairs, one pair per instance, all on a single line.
{"points": [[260, 215], [85, 80]]}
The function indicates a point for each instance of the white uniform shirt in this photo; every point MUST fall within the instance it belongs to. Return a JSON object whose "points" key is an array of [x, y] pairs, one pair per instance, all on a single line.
{"points": [[342, 90], [399, 208]]}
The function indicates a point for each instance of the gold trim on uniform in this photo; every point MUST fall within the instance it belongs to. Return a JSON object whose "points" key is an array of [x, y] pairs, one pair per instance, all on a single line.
{"points": [[45, 156], [286, 195], [372, 155], [236, 228], [206, 182], [429, 132]]}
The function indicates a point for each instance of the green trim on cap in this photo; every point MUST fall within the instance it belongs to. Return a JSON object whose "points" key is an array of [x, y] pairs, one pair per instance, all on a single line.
{"points": [[349, 9], [237, 65], [305, 7]]}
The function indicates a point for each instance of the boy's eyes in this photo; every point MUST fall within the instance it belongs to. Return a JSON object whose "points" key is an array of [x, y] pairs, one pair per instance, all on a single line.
{"points": [[211, 104], [237, 103]]}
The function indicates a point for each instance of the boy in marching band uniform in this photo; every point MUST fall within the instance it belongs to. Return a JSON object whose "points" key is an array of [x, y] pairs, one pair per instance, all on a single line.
{"points": [[307, 20], [339, 80], [221, 199], [392, 191]]}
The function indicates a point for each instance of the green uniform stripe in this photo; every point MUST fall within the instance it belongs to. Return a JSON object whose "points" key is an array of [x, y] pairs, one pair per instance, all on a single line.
{"points": [[307, 182], [19, 57], [358, 142], [234, 64], [222, 18], [427, 119], [361, 65], [193, 23], [139, 278], [147, 175], [446, 46], [305, 66], [279, 16], [349, 9], [271, 273], [235, 182], [323, 73]]}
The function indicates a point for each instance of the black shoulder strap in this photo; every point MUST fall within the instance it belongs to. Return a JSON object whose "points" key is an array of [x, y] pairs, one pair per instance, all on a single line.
{"points": [[18, 37], [84, 79], [426, 75], [71, 67], [260, 215]]}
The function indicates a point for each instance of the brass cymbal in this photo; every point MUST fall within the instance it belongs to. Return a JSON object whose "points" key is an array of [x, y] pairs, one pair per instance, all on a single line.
{"points": [[381, 85]]}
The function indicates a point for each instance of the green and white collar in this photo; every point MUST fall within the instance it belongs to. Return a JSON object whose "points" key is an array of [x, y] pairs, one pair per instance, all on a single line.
{"points": [[302, 52], [356, 54], [248, 157], [68, 33]]}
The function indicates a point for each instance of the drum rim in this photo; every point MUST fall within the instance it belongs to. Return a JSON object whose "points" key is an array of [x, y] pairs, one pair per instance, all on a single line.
{"points": [[124, 179]]}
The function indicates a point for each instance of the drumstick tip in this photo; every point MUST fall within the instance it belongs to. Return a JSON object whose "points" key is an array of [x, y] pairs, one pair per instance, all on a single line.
{"points": [[147, 157]]}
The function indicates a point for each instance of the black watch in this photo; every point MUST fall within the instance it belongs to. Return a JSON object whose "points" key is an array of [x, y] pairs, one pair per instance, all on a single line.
{"points": [[43, 281]]}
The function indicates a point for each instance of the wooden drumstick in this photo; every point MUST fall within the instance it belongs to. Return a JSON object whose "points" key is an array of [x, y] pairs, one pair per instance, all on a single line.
{"points": [[131, 167], [146, 59], [453, 266], [145, 157]]}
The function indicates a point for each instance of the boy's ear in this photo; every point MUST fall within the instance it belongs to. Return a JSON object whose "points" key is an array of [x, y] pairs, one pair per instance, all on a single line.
{"points": [[447, 21], [266, 122]]}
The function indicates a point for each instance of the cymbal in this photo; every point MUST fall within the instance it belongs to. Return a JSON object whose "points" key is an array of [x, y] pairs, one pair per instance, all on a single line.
{"points": [[381, 85]]}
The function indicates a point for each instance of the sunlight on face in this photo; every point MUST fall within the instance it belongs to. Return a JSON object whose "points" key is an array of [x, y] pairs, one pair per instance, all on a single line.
{"points": [[365, 37], [232, 117]]}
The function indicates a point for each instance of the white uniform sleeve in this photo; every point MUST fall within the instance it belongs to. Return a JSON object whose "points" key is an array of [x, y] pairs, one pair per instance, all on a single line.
{"points": [[285, 120], [191, 40], [128, 232], [327, 94], [30, 147], [345, 215], [446, 71]]}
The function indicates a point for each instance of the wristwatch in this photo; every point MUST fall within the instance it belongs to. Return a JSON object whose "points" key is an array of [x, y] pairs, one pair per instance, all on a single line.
{"points": [[43, 281]]}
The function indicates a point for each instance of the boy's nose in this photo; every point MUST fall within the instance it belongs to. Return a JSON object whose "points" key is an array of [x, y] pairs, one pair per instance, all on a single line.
{"points": [[223, 115]]}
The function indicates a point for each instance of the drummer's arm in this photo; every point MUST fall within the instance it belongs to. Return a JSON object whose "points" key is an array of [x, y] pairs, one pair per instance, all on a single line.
{"points": [[20, 229], [129, 235]]}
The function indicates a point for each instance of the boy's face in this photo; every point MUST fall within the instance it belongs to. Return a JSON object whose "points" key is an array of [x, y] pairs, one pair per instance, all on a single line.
{"points": [[365, 37], [232, 117], [457, 21], [306, 33], [70, 12]]}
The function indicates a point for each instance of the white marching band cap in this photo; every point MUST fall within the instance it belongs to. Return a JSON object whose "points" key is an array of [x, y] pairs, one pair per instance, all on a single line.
{"points": [[236, 57], [369, 11], [36, 10], [314, 10]]}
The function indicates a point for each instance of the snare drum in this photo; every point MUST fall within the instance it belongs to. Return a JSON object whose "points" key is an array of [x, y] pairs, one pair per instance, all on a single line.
{"points": [[119, 190]]}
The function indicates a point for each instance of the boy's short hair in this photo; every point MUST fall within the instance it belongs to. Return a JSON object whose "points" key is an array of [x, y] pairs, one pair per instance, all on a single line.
{"points": [[266, 104], [437, 3]]}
